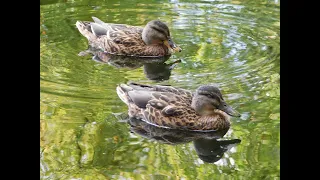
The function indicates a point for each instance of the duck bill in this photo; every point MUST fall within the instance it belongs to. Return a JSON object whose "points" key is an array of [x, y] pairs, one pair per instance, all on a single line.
{"points": [[229, 110], [171, 45]]}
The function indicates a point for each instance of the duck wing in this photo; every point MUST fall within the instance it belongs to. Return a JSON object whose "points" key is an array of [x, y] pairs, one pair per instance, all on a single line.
{"points": [[162, 88]]}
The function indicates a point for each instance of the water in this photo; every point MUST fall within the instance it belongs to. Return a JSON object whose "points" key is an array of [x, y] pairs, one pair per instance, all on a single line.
{"points": [[234, 44]]}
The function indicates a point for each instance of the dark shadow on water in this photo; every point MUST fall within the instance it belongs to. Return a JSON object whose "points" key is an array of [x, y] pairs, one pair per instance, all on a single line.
{"points": [[154, 68], [207, 144], [212, 150]]}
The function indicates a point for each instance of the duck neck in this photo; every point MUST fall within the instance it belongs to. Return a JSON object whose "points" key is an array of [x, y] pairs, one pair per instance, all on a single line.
{"points": [[215, 115], [157, 50], [216, 120]]}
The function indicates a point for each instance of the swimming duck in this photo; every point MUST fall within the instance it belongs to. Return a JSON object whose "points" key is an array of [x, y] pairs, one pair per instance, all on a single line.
{"points": [[121, 39], [177, 108]]}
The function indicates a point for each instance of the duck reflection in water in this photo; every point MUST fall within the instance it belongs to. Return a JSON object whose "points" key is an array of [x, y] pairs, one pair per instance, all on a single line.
{"points": [[207, 144], [154, 67]]}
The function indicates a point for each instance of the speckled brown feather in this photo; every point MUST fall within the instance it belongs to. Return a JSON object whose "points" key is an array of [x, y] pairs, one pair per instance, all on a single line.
{"points": [[121, 40], [171, 107]]}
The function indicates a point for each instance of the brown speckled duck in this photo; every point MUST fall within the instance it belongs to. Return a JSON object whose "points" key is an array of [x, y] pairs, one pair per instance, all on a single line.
{"points": [[120, 39], [177, 108]]}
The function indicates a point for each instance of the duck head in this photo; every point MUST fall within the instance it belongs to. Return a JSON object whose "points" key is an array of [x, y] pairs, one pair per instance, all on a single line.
{"points": [[208, 98], [157, 32]]}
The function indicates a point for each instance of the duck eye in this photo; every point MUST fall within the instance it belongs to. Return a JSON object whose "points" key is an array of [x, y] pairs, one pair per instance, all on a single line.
{"points": [[209, 95]]}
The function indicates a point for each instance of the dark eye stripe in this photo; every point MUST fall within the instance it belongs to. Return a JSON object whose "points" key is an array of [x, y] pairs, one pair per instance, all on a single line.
{"points": [[159, 30], [213, 96]]}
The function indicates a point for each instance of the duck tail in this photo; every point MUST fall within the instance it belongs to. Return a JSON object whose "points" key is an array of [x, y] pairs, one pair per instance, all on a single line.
{"points": [[85, 29], [122, 91]]}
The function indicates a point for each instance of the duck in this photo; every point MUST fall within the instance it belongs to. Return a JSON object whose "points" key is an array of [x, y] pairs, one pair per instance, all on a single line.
{"points": [[120, 39], [177, 108]]}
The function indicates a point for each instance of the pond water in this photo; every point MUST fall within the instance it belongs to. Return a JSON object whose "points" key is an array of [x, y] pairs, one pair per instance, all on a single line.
{"points": [[234, 44]]}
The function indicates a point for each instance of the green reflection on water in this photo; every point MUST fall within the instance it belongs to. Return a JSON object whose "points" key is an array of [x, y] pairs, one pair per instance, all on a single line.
{"points": [[232, 43]]}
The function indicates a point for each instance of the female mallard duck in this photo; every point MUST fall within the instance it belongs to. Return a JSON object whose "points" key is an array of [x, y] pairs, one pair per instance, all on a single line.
{"points": [[152, 40], [177, 108]]}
